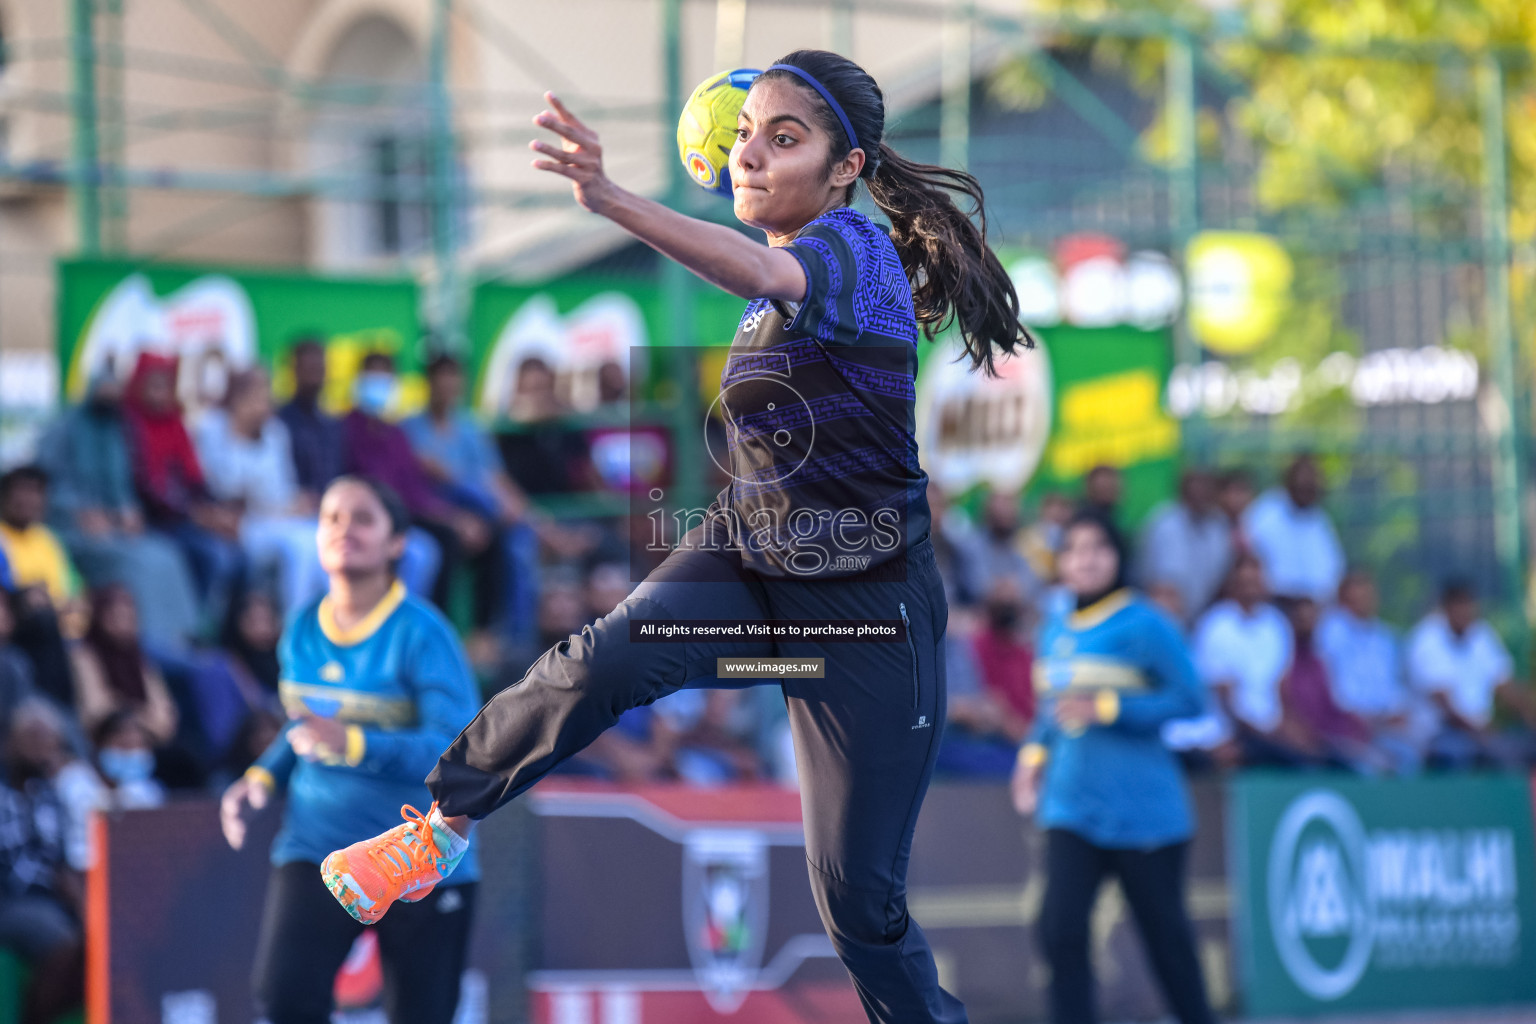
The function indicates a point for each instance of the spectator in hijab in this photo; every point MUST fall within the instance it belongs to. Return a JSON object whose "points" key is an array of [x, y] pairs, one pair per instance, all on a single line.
{"points": [[112, 673], [251, 639], [94, 510], [172, 488]]}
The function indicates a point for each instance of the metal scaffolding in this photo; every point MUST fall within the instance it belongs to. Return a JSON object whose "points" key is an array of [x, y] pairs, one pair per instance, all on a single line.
{"points": [[1185, 194]]}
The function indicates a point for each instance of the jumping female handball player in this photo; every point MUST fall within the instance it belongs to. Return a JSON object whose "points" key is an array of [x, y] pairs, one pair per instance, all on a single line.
{"points": [[825, 517]]}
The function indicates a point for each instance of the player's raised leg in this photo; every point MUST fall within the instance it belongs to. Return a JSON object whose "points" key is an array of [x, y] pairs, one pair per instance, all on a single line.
{"points": [[578, 689]]}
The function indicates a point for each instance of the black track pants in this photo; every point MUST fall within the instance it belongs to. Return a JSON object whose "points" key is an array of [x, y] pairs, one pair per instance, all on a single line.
{"points": [[306, 936], [865, 738], [1153, 883]]}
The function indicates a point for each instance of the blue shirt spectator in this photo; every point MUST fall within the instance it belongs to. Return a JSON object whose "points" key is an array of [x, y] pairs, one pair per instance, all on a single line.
{"points": [[1361, 653]]}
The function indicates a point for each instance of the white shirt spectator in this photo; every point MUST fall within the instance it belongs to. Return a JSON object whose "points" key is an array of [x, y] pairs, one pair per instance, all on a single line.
{"points": [[1192, 555], [1249, 651], [260, 472], [1298, 547], [1467, 669], [1364, 667]]}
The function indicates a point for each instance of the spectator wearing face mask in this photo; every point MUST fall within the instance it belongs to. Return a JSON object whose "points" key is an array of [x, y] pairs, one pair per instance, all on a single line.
{"points": [[121, 778], [380, 450], [126, 761]]}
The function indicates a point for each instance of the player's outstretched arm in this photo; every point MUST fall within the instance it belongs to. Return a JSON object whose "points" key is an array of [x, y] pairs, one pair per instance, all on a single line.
{"points": [[721, 256]]}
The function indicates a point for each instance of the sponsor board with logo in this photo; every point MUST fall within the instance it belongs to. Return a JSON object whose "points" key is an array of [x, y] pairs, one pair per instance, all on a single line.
{"points": [[216, 320], [660, 904], [1359, 895], [633, 905]]}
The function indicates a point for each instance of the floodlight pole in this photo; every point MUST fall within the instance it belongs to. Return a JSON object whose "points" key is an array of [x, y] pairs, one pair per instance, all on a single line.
{"points": [[447, 312], [955, 88], [1508, 475], [84, 172], [1180, 112], [679, 390]]}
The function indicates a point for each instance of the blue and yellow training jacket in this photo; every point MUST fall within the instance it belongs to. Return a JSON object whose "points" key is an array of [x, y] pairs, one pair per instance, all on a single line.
{"points": [[401, 683], [1114, 783]]}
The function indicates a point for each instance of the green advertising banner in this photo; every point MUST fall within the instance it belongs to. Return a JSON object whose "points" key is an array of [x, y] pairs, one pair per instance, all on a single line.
{"points": [[585, 328], [217, 319], [1354, 894], [1085, 397]]}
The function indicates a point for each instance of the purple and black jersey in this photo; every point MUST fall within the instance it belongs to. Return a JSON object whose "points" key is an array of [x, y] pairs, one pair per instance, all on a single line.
{"points": [[819, 405]]}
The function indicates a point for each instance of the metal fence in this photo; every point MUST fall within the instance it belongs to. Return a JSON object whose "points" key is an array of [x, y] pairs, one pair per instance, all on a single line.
{"points": [[1425, 483]]}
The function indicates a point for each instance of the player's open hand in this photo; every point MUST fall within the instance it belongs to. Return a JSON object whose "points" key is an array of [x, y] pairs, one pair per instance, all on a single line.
{"points": [[244, 797], [1024, 788], [578, 155]]}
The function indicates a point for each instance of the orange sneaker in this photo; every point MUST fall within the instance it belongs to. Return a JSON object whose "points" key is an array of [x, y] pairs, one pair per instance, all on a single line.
{"points": [[403, 864]]}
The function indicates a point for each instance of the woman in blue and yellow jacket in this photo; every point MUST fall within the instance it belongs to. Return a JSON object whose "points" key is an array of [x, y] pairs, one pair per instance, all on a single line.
{"points": [[1111, 669]]}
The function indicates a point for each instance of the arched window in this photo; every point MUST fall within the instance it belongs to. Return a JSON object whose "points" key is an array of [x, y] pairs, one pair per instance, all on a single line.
{"points": [[370, 140]]}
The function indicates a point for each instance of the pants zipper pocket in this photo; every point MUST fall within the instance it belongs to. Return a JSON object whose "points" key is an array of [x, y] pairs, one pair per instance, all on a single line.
{"points": [[912, 651]]}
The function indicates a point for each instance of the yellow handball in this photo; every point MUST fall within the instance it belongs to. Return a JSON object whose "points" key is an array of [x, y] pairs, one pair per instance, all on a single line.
{"points": [[706, 131]]}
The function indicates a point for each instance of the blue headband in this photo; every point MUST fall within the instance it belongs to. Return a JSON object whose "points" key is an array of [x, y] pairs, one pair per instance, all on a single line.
{"points": [[853, 140]]}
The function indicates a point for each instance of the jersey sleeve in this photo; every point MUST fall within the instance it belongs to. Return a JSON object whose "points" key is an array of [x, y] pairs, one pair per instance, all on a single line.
{"points": [[276, 763], [831, 267], [446, 699], [1177, 693]]}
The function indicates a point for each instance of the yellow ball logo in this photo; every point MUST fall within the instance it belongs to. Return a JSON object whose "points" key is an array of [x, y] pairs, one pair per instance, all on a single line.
{"points": [[706, 128], [1239, 289]]}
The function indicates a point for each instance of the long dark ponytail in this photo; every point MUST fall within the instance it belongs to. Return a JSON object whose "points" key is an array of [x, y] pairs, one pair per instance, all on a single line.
{"points": [[956, 278]]}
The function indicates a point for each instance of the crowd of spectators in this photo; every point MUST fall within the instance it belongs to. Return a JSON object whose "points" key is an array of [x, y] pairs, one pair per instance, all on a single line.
{"points": [[148, 558]]}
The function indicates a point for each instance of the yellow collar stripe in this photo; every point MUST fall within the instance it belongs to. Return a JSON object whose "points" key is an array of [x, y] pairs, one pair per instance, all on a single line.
{"points": [[367, 626], [1087, 618]]}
